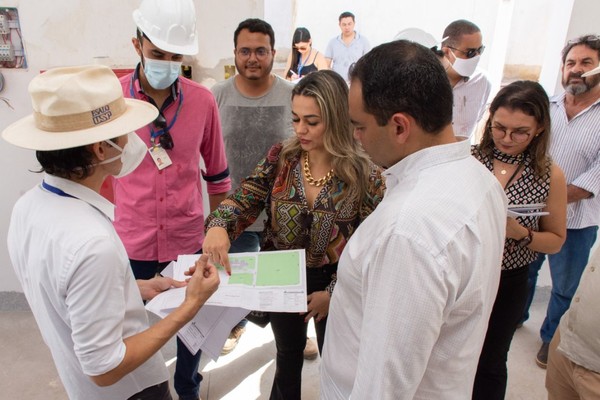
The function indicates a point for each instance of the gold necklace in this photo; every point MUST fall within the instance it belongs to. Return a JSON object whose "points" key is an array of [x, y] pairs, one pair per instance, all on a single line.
{"points": [[312, 181]]}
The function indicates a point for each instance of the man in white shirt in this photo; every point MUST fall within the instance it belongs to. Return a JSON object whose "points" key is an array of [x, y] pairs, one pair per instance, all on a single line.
{"points": [[67, 256], [417, 280], [471, 87]]}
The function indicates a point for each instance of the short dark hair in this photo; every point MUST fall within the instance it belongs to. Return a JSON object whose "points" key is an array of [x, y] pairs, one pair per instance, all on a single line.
{"points": [[346, 14], [255, 25], [456, 29], [403, 76], [590, 40], [531, 99], [70, 163]]}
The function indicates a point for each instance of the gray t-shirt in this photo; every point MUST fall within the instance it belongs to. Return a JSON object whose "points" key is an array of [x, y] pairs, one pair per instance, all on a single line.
{"points": [[251, 125]]}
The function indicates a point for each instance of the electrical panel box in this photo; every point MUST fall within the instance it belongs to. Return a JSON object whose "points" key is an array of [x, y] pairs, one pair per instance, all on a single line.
{"points": [[12, 53], [4, 28], [7, 53]]}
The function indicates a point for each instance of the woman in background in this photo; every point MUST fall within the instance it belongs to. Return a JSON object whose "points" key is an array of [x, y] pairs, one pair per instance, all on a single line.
{"points": [[317, 187], [514, 147], [303, 59]]}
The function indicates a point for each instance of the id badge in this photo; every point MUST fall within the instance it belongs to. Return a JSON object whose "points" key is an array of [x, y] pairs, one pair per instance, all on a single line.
{"points": [[160, 157]]}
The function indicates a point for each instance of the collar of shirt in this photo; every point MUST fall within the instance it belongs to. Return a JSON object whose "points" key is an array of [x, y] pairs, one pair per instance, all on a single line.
{"points": [[425, 158], [136, 87], [559, 99], [356, 37], [82, 193]]}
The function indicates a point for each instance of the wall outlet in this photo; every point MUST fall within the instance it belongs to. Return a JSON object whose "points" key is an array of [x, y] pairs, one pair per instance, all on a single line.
{"points": [[7, 52], [4, 28]]}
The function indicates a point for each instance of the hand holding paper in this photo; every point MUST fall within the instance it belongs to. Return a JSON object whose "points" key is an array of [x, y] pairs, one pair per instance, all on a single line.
{"points": [[203, 283]]}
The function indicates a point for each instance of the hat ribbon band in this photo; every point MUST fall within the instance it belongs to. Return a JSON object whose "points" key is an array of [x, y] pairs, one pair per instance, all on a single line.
{"points": [[79, 121]]}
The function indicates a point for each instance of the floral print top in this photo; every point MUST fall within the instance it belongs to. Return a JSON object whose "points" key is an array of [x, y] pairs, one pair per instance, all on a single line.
{"points": [[322, 230]]}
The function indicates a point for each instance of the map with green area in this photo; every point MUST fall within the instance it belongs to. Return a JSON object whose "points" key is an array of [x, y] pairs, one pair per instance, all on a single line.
{"points": [[278, 269], [243, 270]]}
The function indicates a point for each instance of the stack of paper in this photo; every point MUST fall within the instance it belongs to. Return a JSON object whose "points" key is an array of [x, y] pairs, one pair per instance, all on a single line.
{"points": [[264, 281], [526, 210]]}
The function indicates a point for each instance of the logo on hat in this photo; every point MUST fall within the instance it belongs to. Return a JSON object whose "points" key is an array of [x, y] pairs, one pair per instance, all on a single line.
{"points": [[101, 115]]}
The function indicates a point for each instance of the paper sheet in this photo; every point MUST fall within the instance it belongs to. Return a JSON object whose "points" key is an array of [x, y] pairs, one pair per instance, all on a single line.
{"points": [[264, 281]]}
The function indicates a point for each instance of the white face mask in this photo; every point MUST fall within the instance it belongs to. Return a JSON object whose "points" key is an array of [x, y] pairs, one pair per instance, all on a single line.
{"points": [[465, 66], [161, 74], [131, 155]]}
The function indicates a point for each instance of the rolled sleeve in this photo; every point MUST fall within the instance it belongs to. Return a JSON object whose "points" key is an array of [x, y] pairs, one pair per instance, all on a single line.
{"points": [[590, 179], [212, 149]]}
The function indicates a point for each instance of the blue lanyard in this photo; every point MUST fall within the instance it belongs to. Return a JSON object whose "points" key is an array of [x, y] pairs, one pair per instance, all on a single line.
{"points": [[55, 190], [301, 64], [153, 134]]}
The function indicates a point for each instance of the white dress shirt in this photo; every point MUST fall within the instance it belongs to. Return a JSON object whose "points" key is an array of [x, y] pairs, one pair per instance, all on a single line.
{"points": [[416, 283], [76, 276], [470, 102]]}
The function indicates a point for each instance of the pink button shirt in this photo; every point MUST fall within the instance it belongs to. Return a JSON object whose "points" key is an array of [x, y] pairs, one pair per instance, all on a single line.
{"points": [[159, 214]]}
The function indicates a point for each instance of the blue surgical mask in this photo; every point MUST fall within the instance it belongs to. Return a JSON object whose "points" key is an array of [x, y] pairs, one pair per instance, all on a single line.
{"points": [[161, 74]]}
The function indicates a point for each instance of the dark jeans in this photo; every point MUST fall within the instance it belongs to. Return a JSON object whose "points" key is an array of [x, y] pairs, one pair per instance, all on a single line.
{"points": [[566, 268], [187, 379], [289, 330], [491, 376], [247, 242], [156, 392]]}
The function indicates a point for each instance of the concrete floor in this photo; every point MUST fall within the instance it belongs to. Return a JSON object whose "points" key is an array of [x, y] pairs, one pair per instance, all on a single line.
{"points": [[29, 373]]}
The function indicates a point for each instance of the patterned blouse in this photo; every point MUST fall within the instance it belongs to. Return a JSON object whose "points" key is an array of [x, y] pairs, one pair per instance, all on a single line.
{"points": [[322, 230], [528, 189]]}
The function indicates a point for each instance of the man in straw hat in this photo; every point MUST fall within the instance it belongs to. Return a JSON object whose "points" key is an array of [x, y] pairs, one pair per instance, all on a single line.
{"points": [[160, 212], [67, 256]]}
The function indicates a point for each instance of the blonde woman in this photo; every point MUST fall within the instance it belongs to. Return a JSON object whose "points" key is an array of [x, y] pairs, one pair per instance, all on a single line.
{"points": [[317, 187]]}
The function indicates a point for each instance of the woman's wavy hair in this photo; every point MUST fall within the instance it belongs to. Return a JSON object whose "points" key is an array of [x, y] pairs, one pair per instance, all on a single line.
{"points": [[350, 162], [530, 98]]}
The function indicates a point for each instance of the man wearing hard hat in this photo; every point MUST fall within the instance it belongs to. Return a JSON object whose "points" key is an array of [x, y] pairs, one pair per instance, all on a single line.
{"points": [[159, 212], [66, 253]]}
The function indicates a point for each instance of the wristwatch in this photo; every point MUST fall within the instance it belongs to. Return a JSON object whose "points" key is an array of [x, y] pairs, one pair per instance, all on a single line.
{"points": [[527, 239]]}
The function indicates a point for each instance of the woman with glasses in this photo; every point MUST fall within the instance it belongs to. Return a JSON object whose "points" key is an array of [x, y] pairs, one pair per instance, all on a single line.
{"points": [[514, 147], [303, 59], [317, 187]]}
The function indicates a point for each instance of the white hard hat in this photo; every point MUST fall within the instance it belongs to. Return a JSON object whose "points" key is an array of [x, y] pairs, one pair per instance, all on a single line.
{"points": [[418, 36], [169, 24]]}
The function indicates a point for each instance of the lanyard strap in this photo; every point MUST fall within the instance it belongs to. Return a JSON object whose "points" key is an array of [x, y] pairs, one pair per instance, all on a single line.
{"points": [[153, 134], [513, 176], [302, 64], [55, 190]]}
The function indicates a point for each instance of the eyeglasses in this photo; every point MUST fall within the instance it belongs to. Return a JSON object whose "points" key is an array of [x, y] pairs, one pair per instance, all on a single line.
{"points": [[517, 136], [470, 53], [165, 139], [261, 53]]}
